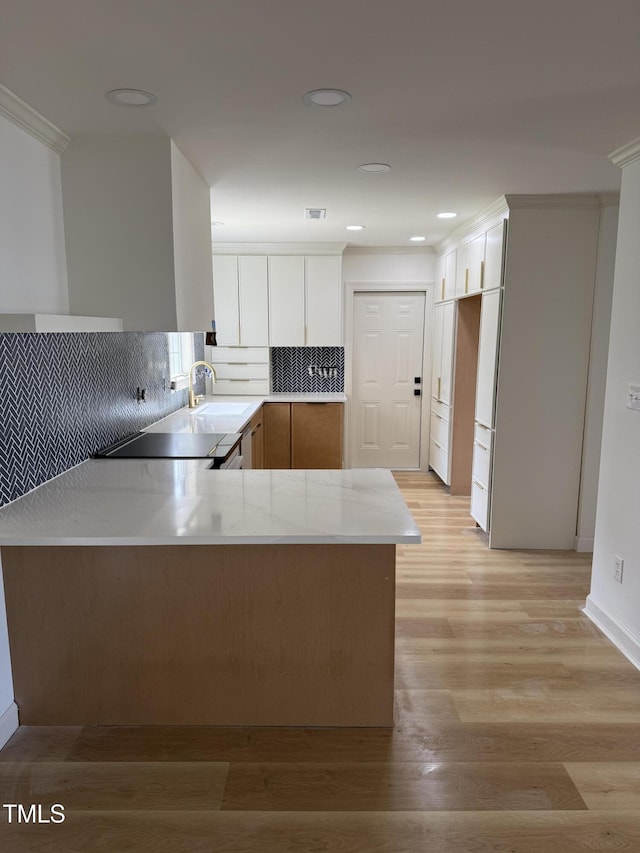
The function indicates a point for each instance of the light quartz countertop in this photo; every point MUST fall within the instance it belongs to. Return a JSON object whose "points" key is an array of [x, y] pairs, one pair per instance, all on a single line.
{"points": [[205, 418], [172, 502]]}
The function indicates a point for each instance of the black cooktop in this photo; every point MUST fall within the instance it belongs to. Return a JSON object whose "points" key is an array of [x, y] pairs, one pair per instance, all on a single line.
{"points": [[173, 445]]}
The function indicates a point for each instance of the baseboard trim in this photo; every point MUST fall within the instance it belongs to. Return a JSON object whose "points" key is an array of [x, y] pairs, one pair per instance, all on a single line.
{"points": [[623, 639], [583, 545], [8, 723]]}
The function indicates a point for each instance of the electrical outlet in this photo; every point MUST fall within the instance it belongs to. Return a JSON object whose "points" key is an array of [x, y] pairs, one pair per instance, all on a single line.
{"points": [[633, 397], [618, 568]]}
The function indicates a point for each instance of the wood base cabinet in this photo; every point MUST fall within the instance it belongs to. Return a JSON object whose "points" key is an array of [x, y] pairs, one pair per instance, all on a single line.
{"points": [[303, 435], [316, 435]]}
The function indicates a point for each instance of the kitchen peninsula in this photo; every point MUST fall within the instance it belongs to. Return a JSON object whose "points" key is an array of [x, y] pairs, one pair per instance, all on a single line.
{"points": [[161, 592]]}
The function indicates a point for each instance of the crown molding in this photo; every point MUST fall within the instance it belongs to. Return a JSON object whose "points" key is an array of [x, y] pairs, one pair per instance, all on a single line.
{"points": [[26, 118], [482, 221], [278, 248], [389, 250], [554, 201], [609, 199], [629, 153]]}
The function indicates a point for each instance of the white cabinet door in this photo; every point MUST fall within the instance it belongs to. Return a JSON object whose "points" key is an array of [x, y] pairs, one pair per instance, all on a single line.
{"points": [[450, 276], [476, 264], [442, 351], [487, 352], [446, 367], [436, 351], [440, 278], [253, 300], [286, 301], [225, 299], [323, 301], [493, 257], [462, 270]]}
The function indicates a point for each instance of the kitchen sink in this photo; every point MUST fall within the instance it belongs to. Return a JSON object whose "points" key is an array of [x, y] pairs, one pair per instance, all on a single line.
{"points": [[222, 408]]}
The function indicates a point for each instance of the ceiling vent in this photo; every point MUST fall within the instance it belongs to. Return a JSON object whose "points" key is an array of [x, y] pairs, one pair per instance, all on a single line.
{"points": [[315, 213]]}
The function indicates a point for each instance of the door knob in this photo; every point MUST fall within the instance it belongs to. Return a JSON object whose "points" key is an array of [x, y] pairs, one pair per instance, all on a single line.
{"points": [[416, 392], [417, 379]]}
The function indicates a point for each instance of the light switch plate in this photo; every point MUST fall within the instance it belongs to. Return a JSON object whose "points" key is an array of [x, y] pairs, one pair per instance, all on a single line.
{"points": [[633, 397]]}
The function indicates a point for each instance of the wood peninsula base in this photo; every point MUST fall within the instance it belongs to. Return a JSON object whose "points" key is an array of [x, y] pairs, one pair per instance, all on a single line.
{"points": [[234, 635]]}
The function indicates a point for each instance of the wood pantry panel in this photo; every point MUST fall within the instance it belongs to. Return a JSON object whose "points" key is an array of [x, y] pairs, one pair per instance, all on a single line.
{"points": [[276, 423], [222, 635], [316, 435]]}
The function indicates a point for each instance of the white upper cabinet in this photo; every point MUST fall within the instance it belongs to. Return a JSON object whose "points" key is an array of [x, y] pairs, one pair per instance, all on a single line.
{"points": [[487, 355], [323, 290], [476, 264], [253, 300], [225, 299], [493, 256], [446, 277], [240, 300], [286, 301], [462, 270]]}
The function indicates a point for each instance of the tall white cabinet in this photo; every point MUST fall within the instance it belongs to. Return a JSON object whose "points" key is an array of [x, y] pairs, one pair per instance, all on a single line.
{"points": [[537, 286], [240, 299], [441, 373]]}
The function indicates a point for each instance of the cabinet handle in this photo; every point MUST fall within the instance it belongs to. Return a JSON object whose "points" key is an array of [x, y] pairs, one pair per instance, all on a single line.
{"points": [[241, 363], [480, 444], [481, 275], [238, 380], [479, 485], [438, 388], [466, 280], [482, 426], [442, 290]]}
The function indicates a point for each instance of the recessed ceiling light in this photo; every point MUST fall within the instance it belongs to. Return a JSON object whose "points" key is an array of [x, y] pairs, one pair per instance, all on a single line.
{"points": [[326, 97], [417, 239], [446, 215], [374, 168], [354, 227], [131, 98]]}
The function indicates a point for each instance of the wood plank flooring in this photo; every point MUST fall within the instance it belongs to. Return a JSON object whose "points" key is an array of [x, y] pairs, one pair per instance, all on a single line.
{"points": [[517, 730]]}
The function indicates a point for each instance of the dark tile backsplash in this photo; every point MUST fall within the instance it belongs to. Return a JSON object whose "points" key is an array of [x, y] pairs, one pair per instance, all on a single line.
{"points": [[65, 395], [319, 369]]}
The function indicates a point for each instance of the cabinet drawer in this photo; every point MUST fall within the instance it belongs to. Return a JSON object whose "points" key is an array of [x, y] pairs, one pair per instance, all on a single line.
{"points": [[439, 408], [481, 469], [483, 435], [231, 355], [259, 387], [439, 461], [440, 430], [480, 505], [224, 370]]}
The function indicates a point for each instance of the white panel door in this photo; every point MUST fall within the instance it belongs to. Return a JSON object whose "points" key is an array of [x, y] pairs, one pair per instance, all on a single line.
{"points": [[286, 301], [487, 353], [254, 300], [388, 339], [225, 299], [324, 301]]}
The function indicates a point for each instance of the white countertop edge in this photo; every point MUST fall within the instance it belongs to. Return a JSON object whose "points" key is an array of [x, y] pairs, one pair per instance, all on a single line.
{"points": [[284, 539]]}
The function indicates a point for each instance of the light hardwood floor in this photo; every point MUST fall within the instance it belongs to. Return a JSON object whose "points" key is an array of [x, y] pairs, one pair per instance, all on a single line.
{"points": [[517, 730]]}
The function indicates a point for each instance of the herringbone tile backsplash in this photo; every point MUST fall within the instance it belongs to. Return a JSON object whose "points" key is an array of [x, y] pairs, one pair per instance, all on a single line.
{"points": [[316, 369], [64, 396]]}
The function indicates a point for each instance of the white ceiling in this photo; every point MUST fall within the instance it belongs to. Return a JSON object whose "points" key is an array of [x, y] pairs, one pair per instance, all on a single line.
{"points": [[466, 100]]}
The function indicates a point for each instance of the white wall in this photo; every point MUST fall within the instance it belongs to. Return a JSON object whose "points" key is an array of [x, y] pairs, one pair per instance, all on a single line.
{"points": [[191, 245], [614, 605], [33, 269], [594, 413], [118, 226], [388, 266]]}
